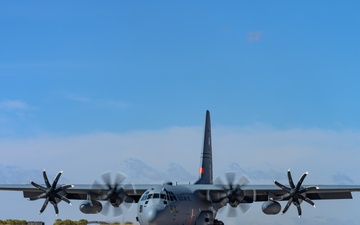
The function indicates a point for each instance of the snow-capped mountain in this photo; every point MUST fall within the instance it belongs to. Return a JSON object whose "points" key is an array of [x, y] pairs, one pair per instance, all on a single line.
{"points": [[17, 175], [139, 172]]}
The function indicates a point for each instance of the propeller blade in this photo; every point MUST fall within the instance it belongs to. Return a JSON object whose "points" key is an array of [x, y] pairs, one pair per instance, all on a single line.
{"points": [[37, 186], [243, 181], [46, 179], [291, 182], [230, 177], [42, 195], [308, 189], [287, 206], [106, 177], [282, 186], [65, 199], [281, 197], [244, 207], [55, 208], [106, 208], [308, 200], [118, 211], [220, 182], [119, 178], [66, 186], [56, 180], [298, 207], [44, 205], [232, 212], [301, 180]]}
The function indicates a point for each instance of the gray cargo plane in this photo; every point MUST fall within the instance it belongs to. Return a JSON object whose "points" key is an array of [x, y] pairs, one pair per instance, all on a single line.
{"points": [[190, 204]]}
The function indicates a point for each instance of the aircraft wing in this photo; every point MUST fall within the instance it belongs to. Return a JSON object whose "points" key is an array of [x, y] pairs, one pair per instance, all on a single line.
{"points": [[235, 194], [82, 191], [321, 192], [259, 193]]}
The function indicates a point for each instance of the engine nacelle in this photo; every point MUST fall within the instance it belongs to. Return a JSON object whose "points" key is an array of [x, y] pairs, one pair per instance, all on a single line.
{"points": [[271, 207], [90, 207]]}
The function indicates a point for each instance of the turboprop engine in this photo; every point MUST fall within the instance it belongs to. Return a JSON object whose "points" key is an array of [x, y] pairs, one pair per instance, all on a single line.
{"points": [[90, 207], [271, 207]]}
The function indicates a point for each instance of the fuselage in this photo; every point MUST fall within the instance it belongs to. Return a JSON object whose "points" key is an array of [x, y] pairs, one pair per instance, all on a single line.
{"points": [[168, 204]]}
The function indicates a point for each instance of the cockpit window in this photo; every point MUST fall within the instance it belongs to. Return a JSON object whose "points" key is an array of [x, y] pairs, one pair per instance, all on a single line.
{"points": [[144, 197], [171, 196], [156, 195]]}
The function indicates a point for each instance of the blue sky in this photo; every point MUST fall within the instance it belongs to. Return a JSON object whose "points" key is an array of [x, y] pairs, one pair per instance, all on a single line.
{"points": [[280, 78], [88, 66]]}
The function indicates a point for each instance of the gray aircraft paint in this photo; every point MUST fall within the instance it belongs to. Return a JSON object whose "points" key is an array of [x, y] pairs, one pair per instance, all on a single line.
{"points": [[206, 168]]}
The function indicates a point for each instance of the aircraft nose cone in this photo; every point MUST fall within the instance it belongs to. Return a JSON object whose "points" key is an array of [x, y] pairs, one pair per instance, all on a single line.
{"points": [[152, 213]]}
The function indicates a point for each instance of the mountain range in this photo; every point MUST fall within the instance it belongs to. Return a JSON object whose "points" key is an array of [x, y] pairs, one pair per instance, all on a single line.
{"points": [[138, 171]]}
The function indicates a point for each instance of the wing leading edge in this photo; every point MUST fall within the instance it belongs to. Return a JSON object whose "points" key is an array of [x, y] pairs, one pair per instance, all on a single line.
{"points": [[263, 192]]}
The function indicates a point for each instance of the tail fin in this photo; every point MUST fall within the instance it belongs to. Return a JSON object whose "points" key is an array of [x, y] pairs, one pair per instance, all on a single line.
{"points": [[206, 170]]}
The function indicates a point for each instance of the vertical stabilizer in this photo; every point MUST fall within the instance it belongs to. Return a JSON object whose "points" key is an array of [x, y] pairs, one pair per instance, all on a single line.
{"points": [[206, 170]]}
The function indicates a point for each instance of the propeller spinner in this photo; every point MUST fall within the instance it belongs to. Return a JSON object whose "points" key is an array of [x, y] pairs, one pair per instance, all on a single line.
{"points": [[233, 194], [52, 193], [296, 194], [115, 194]]}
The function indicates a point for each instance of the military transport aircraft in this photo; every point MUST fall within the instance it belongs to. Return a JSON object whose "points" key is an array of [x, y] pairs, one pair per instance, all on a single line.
{"points": [[190, 204]]}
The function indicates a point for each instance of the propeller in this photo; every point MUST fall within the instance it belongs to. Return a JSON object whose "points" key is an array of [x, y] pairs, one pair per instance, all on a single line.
{"points": [[114, 194], [51, 192], [233, 194], [295, 194]]}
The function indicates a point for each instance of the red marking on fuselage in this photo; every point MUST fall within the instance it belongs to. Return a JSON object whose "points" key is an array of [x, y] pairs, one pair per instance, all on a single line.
{"points": [[192, 216], [201, 170]]}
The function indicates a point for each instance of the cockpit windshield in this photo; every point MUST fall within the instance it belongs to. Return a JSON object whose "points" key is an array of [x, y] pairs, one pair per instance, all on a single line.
{"points": [[153, 196], [164, 194]]}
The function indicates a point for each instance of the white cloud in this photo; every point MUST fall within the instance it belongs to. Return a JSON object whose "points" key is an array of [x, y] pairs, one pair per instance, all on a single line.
{"points": [[94, 101], [13, 105], [314, 150], [254, 36]]}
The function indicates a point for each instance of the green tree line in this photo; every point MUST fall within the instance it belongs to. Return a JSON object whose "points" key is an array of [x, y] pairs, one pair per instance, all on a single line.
{"points": [[13, 222]]}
